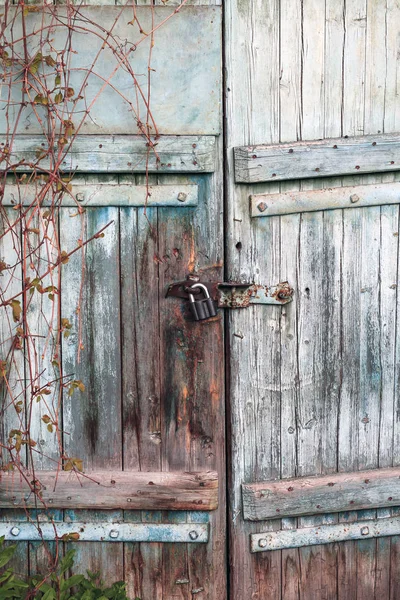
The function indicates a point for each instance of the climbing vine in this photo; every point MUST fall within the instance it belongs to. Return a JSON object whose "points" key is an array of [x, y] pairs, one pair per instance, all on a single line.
{"points": [[46, 90]]}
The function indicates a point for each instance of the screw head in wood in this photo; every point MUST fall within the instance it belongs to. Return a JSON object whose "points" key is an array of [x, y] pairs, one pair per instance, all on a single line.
{"points": [[262, 206], [193, 535], [182, 197], [262, 542], [80, 196], [354, 198], [364, 530], [114, 533], [15, 531]]}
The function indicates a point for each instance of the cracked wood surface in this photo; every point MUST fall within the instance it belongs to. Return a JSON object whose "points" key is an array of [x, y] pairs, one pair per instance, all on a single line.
{"points": [[313, 385], [115, 490]]}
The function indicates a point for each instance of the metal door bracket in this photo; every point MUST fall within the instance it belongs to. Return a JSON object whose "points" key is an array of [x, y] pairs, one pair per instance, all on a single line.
{"points": [[324, 534], [233, 294], [105, 532]]}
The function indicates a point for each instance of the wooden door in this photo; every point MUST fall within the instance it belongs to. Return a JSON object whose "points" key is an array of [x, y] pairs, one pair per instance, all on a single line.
{"points": [[313, 386], [148, 426]]}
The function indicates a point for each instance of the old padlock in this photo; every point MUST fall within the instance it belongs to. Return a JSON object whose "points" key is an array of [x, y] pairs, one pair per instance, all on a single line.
{"points": [[204, 308]]}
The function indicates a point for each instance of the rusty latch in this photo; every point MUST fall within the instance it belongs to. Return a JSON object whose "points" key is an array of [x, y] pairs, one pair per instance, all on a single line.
{"points": [[234, 295]]}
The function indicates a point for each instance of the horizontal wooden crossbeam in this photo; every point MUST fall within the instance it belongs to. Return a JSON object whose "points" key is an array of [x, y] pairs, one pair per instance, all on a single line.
{"points": [[106, 194], [315, 495], [319, 158], [268, 205], [111, 490], [119, 154], [324, 534]]}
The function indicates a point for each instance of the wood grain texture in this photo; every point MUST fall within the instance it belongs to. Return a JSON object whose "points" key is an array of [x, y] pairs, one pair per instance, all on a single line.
{"points": [[328, 493], [103, 194], [105, 490], [125, 154], [328, 198], [317, 158], [336, 347], [189, 105], [325, 534]]}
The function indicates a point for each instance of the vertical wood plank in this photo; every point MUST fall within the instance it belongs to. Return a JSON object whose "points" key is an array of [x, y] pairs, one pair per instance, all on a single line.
{"points": [[392, 84], [252, 116], [376, 65], [42, 354], [140, 378], [93, 433], [13, 391], [191, 367], [354, 67]]}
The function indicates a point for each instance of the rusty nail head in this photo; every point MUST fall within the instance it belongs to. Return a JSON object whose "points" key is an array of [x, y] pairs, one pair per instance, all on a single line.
{"points": [[262, 542], [262, 206], [15, 531], [364, 530], [193, 535], [182, 197], [193, 277], [114, 533], [354, 198]]}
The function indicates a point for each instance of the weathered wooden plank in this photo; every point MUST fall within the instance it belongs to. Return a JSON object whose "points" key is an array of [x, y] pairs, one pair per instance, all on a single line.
{"points": [[252, 116], [122, 154], [265, 205], [12, 385], [104, 194], [141, 398], [185, 92], [192, 533], [353, 107], [392, 83], [321, 494], [191, 382], [290, 128], [124, 489], [318, 158], [91, 354], [325, 534]]}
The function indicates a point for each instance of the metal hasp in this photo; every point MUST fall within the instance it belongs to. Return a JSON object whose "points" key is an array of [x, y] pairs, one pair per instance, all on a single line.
{"points": [[324, 534], [232, 294], [105, 532]]}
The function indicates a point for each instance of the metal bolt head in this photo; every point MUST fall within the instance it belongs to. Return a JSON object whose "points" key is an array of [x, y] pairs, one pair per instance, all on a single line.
{"points": [[193, 535], [114, 533], [80, 196], [182, 197], [364, 530], [15, 531], [262, 542], [354, 198], [262, 206]]}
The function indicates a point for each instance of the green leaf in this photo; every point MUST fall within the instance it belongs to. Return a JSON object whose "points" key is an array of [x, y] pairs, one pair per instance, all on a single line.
{"points": [[50, 595], [67, 562], [69, 583], [6, 554]]}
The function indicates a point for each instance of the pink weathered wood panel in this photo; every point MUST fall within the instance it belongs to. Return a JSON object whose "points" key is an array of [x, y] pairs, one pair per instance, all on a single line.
{"points": [[112, 490]]}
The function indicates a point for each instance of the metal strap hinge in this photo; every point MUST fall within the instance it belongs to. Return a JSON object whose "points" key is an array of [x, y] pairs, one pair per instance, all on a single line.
{"points": [[324, 534], [105, 532]]}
